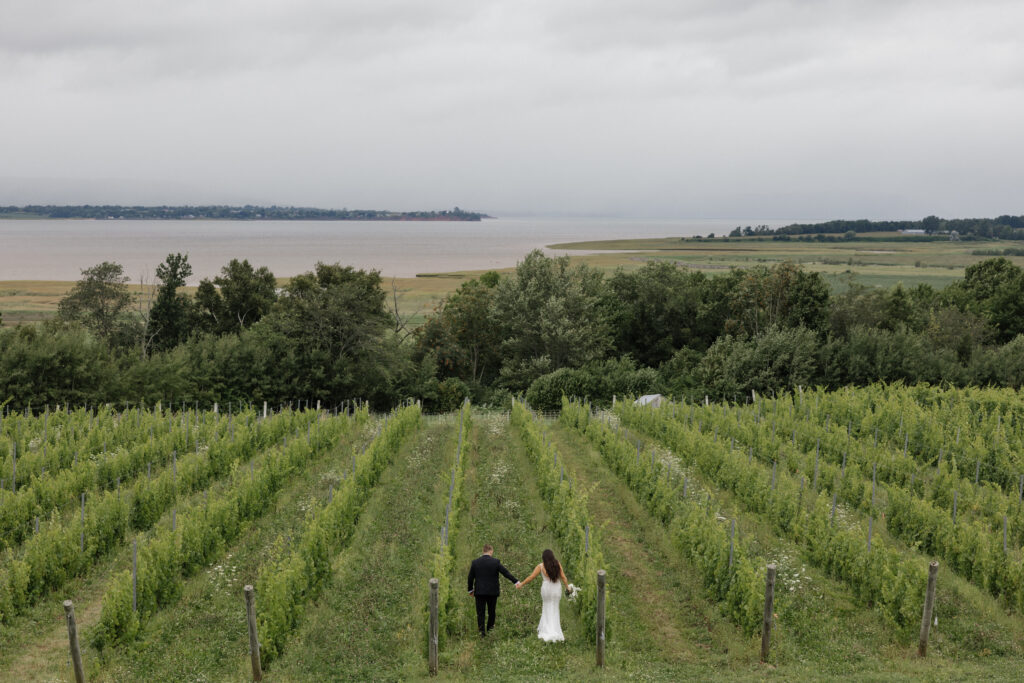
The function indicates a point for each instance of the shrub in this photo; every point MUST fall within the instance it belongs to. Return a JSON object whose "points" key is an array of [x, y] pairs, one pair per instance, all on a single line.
{"points": [[450, 394], [546, 391]]}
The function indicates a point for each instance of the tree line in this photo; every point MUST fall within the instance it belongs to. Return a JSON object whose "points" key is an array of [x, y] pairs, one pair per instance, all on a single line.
{"points": [[547, 328], [234, 213], [1002, 227]]}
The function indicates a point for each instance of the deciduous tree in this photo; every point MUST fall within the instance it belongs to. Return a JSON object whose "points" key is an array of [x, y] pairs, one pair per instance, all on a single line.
{"points": [[173, 313], [100, 302], [237, 298]]}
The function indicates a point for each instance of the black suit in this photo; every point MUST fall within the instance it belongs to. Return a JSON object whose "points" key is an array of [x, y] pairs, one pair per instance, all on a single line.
{"points": [[483, 583]]}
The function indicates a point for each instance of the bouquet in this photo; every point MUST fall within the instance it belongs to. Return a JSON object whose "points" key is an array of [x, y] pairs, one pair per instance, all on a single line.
{"points": [[572, 591]]}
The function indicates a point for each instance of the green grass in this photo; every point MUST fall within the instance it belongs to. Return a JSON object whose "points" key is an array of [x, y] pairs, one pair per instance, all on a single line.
{"points": [[883, 261], [659, 611], [193, 638], [813, 610], [822, 631], [368, 624], [204, 636], [503, 508]]}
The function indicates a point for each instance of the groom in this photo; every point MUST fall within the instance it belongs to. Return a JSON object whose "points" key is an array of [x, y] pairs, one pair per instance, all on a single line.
{"points": [[483, 572]]}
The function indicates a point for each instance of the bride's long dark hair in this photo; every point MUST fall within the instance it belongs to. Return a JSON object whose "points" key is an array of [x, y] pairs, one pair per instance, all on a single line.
{"points": [[551, 566]]}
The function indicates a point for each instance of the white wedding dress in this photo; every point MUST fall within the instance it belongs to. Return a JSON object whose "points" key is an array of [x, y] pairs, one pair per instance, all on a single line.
{"points": [[550, 628]]}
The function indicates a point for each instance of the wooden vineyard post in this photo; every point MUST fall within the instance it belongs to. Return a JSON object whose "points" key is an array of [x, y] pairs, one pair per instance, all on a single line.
{"points": [[929, 602], [601, 578], [254, 641], [432, 644], [769, 601], [76, 652], [135, 575], [732, 534]]}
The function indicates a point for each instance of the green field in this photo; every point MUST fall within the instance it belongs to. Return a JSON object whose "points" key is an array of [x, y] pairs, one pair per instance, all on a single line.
{"points": [[883, 261], [625, 475]]}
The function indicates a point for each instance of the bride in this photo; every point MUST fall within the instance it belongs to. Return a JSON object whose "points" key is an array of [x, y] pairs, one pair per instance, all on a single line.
{"points": [[550, 627]]}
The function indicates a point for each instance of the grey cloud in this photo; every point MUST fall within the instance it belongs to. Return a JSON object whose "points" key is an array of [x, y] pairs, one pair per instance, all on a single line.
{"points": [[49, 27], [659, 107], [108, 42]]}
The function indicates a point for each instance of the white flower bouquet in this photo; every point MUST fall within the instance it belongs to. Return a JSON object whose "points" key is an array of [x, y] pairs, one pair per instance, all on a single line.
{"points": [[572, 591]]}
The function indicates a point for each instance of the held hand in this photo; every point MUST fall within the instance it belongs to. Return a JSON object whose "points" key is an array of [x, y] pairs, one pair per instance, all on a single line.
{"points": [[472, 594], [519, 584]]}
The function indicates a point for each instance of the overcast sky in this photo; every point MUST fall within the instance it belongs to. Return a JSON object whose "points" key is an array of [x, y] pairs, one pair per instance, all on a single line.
{"points": [[669, 108]]}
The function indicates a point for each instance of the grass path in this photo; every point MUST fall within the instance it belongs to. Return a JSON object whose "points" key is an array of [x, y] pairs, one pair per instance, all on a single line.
{"points": [[819, 620], [504, 509], [369, 622], [821, 630], [659, 611], [204, 636], [185, 640], [35, 645]]}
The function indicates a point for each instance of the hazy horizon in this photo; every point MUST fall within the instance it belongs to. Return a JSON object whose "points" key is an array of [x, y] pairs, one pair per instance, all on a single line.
{"points": [[651, 109], [539, 215]]}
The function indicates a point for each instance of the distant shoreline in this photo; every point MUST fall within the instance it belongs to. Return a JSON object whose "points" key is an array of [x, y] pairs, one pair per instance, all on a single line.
{"points": [[228, 213], [241, 220]]}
